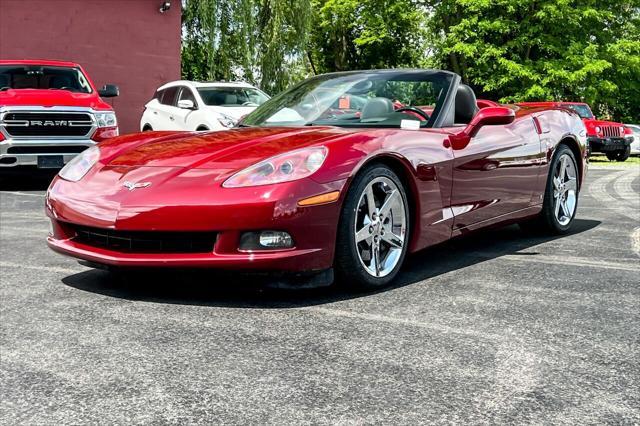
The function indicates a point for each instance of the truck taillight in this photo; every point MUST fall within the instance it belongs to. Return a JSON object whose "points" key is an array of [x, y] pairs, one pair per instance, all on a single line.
{"points": [[1, 137]]}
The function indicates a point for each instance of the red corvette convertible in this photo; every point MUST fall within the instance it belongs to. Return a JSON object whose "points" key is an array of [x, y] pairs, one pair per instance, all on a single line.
{"points": [[343, 173]]}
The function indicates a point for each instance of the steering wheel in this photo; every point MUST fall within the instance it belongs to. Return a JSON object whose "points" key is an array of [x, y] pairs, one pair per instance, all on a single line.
{"points": [[418, 111], [249, 103]]}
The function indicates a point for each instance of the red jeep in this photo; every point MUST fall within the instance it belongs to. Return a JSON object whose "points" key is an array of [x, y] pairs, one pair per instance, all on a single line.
{"points": [[603, 136], [49, 112]]}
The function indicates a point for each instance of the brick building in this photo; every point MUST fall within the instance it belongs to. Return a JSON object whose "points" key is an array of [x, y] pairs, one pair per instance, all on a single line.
{"points": [[129, 43]]}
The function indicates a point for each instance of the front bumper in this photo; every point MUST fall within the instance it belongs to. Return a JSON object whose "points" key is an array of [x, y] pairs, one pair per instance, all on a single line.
{"points": [[25, 152], [608, 144], [271, 207]]}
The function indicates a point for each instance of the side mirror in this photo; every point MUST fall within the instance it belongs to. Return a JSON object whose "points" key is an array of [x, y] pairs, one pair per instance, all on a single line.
{"points": [[109, 91], [186, 104], [490, 116]]}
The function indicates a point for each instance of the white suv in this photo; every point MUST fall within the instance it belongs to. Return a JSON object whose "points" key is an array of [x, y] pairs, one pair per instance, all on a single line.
{"points": [[635, 145], [190, 105]]}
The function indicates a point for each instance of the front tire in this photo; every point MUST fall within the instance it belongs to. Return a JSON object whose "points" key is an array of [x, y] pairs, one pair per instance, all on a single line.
{"points": [[621, 155], [561, 195], [373, 231]]}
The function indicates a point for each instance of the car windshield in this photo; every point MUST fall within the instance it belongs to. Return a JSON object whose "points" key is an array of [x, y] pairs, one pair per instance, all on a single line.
{"points": [[582, 110], [232, 96], [358, 99], [41, 77]]}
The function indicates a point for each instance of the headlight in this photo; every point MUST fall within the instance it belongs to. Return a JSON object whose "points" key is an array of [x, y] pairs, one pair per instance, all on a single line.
{"points": [[598, 129], [80, 165], [226, 121], [106, 119], [281, 168]]}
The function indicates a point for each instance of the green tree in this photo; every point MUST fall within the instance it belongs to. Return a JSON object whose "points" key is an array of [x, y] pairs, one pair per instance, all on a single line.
{"points": [[260, 41], [515, 50], [362, 34]]}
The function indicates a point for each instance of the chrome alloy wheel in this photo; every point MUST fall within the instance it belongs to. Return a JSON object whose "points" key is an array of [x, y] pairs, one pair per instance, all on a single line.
{"points": [[565, 190], [380, 227]]}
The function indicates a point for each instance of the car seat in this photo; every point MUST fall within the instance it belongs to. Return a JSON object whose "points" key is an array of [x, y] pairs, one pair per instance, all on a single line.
{"points": [[466, 105], [60, 81], [376, 108]]}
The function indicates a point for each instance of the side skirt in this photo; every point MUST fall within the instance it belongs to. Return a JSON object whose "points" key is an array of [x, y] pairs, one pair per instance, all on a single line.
{"points": [[501, 220]]}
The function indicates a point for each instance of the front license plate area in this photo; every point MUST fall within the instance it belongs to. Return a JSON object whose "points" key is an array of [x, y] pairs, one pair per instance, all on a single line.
{"points": [[50, 162]]}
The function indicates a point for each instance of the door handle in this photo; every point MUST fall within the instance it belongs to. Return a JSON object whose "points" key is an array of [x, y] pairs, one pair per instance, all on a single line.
{"points": [[155, 112], [171, 118]]}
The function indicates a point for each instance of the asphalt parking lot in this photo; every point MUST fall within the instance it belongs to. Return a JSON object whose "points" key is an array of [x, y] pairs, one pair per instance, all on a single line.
{"points": [[501, 327]]}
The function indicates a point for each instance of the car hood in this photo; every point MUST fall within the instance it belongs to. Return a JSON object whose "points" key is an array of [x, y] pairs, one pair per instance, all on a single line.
{"points": [[234, 112], [50, 98], [223, 150], [175, 165]]}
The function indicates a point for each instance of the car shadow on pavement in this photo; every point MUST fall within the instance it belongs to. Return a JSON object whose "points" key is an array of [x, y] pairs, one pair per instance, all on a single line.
{"points": [[229, 290], [26, 179]]}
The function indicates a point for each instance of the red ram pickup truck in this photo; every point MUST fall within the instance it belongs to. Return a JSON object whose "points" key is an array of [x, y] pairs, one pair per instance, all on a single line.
{"points": [[49, 112], [607, 137]]}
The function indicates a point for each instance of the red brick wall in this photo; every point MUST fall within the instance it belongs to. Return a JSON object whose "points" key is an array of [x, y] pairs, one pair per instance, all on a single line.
{"points": [[124, 42]]}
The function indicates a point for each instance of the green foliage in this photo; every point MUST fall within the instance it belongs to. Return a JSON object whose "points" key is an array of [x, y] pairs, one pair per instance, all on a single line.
{"points": [[364, 34], [261, 41], [515, 50], [508, 50]]}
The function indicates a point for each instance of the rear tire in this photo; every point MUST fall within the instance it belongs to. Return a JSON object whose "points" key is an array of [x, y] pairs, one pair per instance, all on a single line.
{"points": [[373, 230], [561, 195]]}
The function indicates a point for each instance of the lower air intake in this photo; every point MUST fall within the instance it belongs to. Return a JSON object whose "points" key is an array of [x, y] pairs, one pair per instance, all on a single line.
{"points": [[146, 241]]}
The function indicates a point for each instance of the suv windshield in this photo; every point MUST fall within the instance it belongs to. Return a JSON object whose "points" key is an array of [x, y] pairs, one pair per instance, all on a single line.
{"points": [[582, 110], [41, 77], [358, 99], [232, 96]]}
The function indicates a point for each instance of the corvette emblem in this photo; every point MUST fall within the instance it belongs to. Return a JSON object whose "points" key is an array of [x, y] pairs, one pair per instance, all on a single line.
{"points": [[131, 186]]}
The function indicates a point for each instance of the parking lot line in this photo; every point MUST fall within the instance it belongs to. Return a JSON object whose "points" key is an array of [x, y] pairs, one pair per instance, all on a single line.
{"points": [[26, 194], [573, 261], [40, 267], [21, 230], [439, 328], [621, 204]]}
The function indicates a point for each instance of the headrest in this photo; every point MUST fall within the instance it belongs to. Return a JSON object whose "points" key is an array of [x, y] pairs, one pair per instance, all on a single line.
{"points": [[376, 107], [60, 81], [466, 104]]}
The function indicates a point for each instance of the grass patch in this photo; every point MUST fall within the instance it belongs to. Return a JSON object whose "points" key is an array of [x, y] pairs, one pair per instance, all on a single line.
{"points": [[602, 160]]}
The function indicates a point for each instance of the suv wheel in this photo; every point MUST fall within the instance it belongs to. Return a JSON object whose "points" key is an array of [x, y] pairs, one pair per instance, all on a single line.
{"points": [[621, 155]]}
